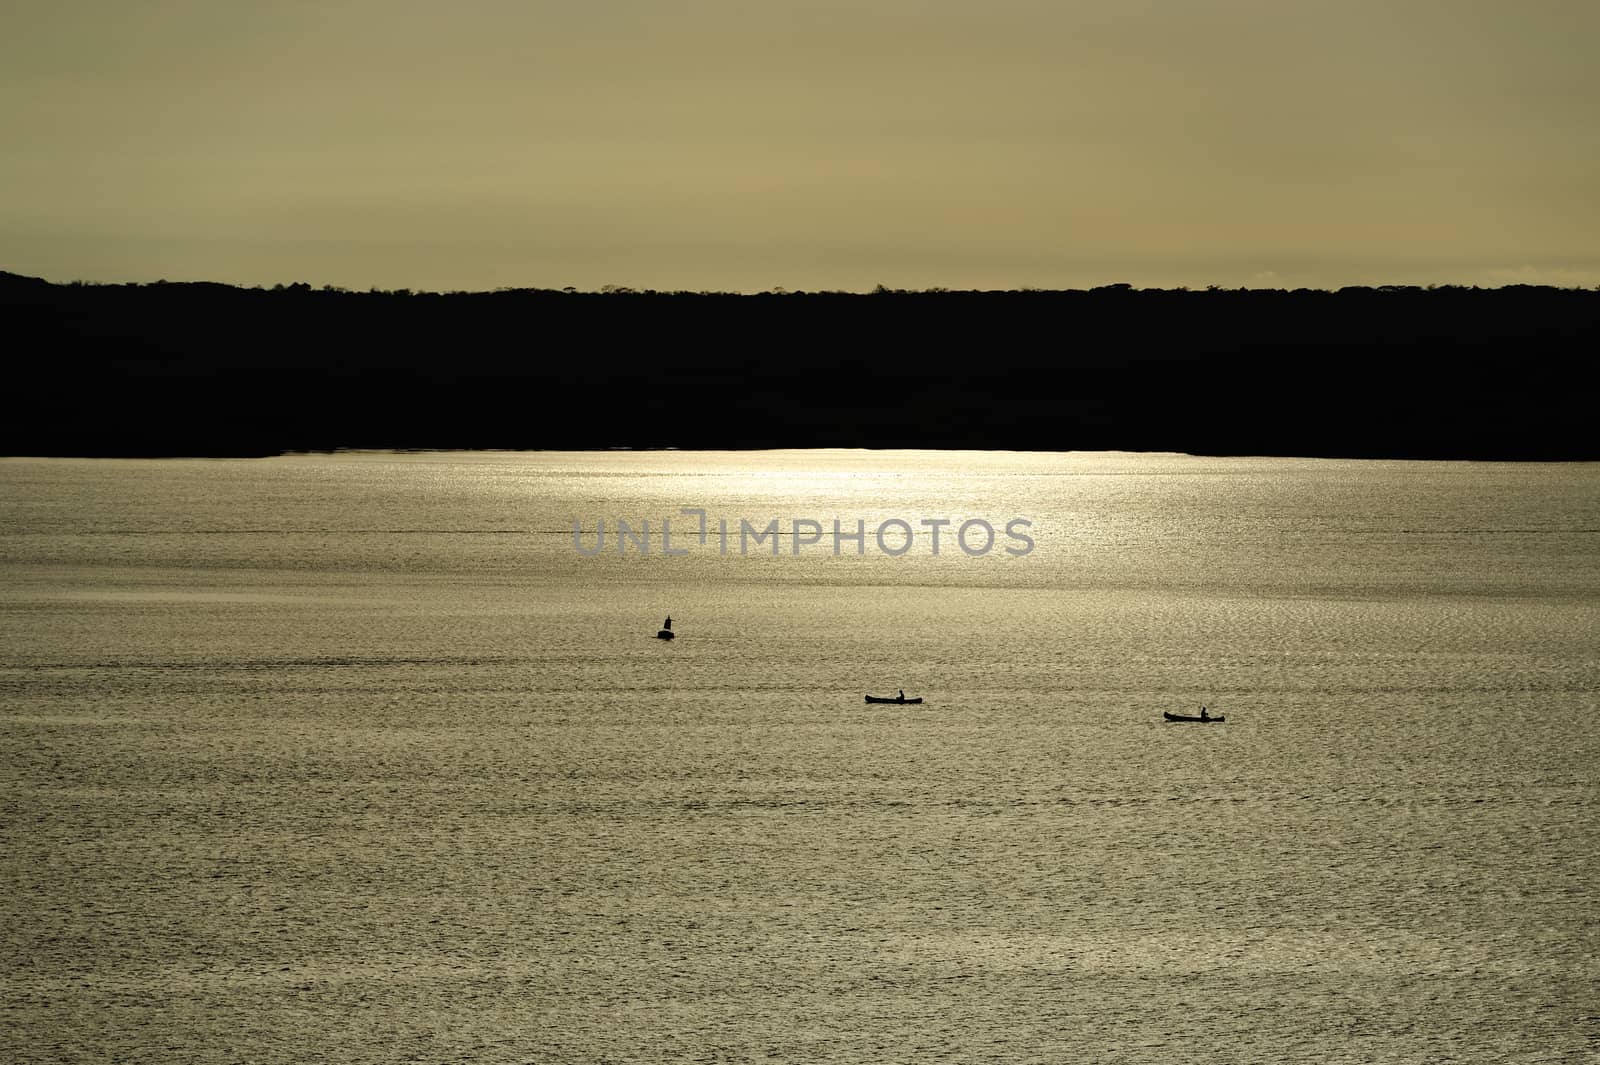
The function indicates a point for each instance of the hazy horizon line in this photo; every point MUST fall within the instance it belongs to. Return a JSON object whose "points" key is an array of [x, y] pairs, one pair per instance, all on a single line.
{"points": [[781, 290]]}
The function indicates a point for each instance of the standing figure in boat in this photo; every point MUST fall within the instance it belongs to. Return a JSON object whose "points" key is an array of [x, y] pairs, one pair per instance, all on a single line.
{"points": [[666, 632]]}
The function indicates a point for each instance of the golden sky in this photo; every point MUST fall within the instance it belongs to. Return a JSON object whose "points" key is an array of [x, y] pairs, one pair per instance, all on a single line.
{"points": [[744, 145]]}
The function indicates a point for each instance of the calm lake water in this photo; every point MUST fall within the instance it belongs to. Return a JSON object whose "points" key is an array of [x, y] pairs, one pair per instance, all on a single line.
{"points": [[357, 759]]}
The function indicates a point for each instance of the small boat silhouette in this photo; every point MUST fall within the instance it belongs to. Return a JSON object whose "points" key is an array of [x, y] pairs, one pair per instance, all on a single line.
{"points": [[666, 632], [901, 700]]}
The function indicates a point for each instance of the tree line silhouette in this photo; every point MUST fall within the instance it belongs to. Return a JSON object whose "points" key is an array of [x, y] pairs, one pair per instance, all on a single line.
{"points": [[201, 368]]}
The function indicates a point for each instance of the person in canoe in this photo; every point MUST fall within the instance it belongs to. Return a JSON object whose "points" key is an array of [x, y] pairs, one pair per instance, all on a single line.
{"points": [[902, 695], [666, 626], [1203, 715]]}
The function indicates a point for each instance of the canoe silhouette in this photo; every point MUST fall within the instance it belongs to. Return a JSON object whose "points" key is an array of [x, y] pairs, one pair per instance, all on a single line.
{"points": [[1190, 717], [893, 699]]}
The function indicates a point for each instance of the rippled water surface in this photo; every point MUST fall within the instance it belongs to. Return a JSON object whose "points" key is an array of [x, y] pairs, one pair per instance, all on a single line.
{"points": [[357, 759]]}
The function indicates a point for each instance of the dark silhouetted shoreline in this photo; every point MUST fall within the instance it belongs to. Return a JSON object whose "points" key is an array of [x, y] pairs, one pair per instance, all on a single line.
{"points": [[207, 369]]}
